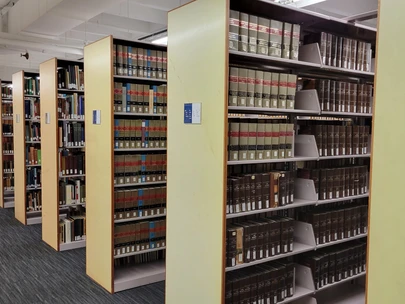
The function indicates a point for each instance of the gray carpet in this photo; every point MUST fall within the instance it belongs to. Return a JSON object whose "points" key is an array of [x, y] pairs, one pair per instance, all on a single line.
{"points": [[32, 272]]}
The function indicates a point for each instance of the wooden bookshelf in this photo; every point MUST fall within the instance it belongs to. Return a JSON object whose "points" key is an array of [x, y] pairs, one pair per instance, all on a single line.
{"points": [[53, 209], [100, 152], [198, 164], [7, 153], [22, 92]]}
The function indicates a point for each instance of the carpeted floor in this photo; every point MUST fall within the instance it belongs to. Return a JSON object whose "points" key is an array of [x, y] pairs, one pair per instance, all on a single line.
{"points": [[32, 272]]}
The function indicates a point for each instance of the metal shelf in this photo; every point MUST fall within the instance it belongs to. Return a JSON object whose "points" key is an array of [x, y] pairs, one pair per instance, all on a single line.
{"points": [[30, 166], [72, 245], [331, 113], [70, 91], [131, 276], [139, 114], [31, 96], [140, 150], [269, 110], [345, 156], [72, 176], [346, 198], [141, 78], [140, 218], [140, 184], [71, 119], [139, 252], [359, 236], [33, 142], [269, 161], [33, 189], [298, 248], [34, 220]]}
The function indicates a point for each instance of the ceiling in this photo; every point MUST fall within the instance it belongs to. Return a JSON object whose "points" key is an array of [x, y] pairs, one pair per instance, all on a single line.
{"points": [[61, 28]]}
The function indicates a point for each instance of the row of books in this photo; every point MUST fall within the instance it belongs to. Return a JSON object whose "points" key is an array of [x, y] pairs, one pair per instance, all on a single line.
{"points": [[334, 140], [33, 156], [330, 265], [140, 98], [336, 223], [341, 96], [342, 52], [258, 191], [134, 169], [8, 145], [7, 91], [139, 237], [7, 110], [8, 166], [142, 258], [70, 106], [137, 203], [31, 85], [139, 62], [71, 77], [33, 132], [8, 182], [255, 140], [72, 229], [337, 182], [258, 239], [248, 33], [71, 164], [33, 177], [8, 127], [266, 283], [72, 192], [71, 134], [140, 133], [32, 108], [253, 88], [34, 200]]}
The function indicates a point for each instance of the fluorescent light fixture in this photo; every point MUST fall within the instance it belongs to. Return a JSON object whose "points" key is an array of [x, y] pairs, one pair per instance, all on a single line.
{"points": [[160, 41]]}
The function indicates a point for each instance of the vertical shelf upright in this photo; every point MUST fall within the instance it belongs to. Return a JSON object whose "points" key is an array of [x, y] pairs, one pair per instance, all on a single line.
{"points": [[27, 148], [116, 101], [62, 120], [7, 155], [199, 168]]}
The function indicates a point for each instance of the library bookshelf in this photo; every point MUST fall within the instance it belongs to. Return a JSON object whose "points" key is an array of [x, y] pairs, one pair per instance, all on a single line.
{"points": [[27, 148], [62, 120], [199, 163], [110, 94], [7, 155]]}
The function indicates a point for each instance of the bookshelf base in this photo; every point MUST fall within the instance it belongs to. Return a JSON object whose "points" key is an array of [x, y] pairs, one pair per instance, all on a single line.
{"points": [[72, 245], [138, 275], [34, 220], [348, 294], [9, 204]]}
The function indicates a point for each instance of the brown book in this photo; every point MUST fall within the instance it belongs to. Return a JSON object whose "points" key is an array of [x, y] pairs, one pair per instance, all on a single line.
{"points": [[335, 40], [141, 62], [349, 141], [330, 140], [274, 90], [360, 55], [330, 177], [233, 30], [323, 45], [325, 140], [366, 139], [323, 186], [327, 96], [346, 106], [342, 140], [332, 96], [320, 89], [356, 140], [258, 89], [243, 32], [119, 62], [361, 139], [253, 28], [339, 96], [242, 87], [233, 86], [252, 141], [336, 136], [339, 52], [274, 189], [159, 63], [319, 139], [153, 62], [282, 91], [250, 101], [164, 59], [353, 55], [263, 36]]}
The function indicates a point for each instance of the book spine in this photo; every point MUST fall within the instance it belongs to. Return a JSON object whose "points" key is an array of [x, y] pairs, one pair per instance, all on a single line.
{"points": [[233, 30], [253, 29]]}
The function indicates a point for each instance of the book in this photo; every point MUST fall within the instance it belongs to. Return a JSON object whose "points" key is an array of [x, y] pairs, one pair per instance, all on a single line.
{"points": [[253, 32], [243, 32], [234, 30], [286, 41], [275, 38], [295, 41], [233, 86], [263, 36]]}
